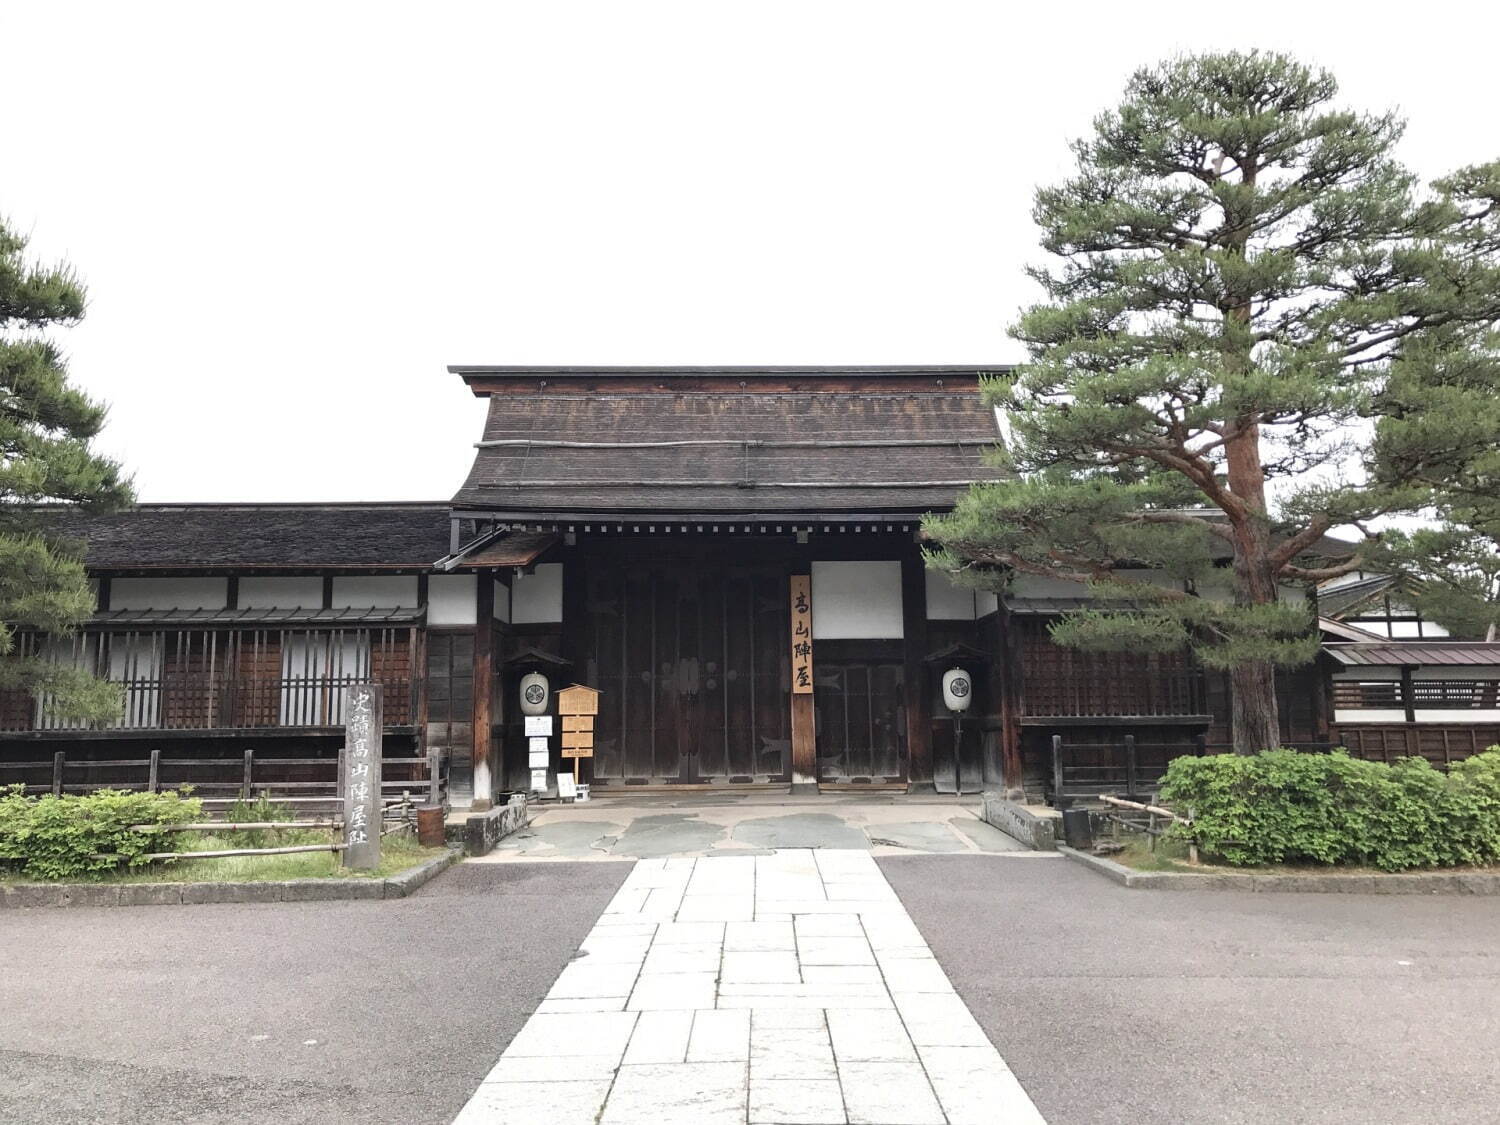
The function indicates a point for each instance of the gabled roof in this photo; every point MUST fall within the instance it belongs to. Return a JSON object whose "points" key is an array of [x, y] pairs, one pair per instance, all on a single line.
{"points": [[1344, 599], [249, 536], [842, 441]]}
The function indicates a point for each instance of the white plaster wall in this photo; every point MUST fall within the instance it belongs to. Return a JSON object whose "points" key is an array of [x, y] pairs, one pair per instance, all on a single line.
{"points": [[281, 593], [451, 599], [1430, 672], [947, 602], [537, 598], [502, 602], [1424, 715], [168, 593], [386, 591], [856, 601]]}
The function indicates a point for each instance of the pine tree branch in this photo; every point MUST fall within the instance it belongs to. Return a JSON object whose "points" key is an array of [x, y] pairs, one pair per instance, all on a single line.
{"points": [[1322, 573]]}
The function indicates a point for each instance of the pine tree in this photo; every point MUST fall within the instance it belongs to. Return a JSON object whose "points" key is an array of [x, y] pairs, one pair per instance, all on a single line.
{"points": [[1439, 436], [45, 430], [1239, 265]]}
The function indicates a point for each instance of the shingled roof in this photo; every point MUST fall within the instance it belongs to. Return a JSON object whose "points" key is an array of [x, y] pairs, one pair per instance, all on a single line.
{"points": [[269, 536], [762, 441]]}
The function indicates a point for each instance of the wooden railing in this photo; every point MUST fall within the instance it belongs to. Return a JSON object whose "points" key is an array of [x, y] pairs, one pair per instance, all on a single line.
{"points": [[223, 780], [1129, 767], [205, 679], [1387, 695]]}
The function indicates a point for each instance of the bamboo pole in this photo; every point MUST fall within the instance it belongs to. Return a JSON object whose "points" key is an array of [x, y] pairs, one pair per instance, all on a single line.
{"points": [[228, 852], [211, 826]]}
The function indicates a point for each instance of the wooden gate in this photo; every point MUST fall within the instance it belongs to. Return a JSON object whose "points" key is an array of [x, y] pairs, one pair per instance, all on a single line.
{"points": [[861, 720], [693, 663]]}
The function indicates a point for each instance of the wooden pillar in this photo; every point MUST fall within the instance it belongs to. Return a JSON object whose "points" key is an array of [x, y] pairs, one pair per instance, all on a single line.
{"points": [[1007, 657], [914, 648], [804, 721], [1409, 705], [484, 690]]}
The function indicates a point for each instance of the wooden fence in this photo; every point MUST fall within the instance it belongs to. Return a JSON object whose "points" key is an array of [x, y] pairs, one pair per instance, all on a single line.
{"points": [[222, 781]]}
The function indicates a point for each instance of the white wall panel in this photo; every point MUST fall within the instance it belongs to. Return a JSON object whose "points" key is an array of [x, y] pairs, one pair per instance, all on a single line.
{"points": [[451, 599], [168, 593], [947, 602], [537, 598], [281, 593], [856, 601], [502, 602], [385, 591]]}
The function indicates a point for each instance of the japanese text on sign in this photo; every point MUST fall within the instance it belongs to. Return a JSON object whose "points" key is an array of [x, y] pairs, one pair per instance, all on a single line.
{"points": [[802, 674]]}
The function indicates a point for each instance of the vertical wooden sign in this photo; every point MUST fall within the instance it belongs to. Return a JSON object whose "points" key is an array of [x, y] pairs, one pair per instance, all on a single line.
{"points": [[802, 672], [361, 780]]}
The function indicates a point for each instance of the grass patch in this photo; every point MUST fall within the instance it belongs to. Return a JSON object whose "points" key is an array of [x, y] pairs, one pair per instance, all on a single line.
{"points": [[1170, 855], [398, 852]]}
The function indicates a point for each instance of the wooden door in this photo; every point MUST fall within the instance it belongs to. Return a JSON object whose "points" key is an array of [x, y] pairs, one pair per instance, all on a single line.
{"points": [[861, 719], [690, 661]]}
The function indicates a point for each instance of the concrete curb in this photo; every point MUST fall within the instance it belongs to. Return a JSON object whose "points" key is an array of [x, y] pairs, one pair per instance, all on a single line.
{"points": [[19, 895], [482, 831], [1021, 822], [1434, 883]]}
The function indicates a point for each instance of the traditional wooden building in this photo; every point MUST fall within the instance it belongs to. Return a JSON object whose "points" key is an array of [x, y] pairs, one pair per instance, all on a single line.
{"points": [[731, 556]]}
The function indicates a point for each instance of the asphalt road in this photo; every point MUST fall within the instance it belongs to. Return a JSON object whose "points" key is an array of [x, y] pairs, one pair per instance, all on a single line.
{"points": [[1110, 1005], [358, 1012], [1128, 1006]]}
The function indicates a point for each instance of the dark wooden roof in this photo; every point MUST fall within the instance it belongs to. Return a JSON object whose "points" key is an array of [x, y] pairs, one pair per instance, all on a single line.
{"points": [[510, 548], [1415, 653], [265, 536], [844, 441]]}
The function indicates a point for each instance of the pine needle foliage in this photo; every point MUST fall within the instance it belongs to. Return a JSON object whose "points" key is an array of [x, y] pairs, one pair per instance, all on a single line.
{"points": [[1239, 265], [46, 427]]}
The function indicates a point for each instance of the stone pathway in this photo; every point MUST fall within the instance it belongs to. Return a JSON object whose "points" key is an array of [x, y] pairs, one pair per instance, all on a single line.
{"points": [[782, 989], [613, 829]]}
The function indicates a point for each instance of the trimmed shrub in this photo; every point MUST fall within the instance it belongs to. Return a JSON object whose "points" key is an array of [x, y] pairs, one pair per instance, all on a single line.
{"points": [[82, 837], [1285, 806]]}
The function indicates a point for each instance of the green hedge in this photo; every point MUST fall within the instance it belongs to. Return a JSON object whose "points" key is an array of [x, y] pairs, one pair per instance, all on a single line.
{"points": [[84, 837], [1284, 806]]}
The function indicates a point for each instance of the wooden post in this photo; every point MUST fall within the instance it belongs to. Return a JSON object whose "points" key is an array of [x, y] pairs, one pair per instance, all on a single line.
{"points": [[804, 735], [1057, 771], [153, 777], [247, 787], [1130, 766], [59, 762], [363, 734], [434, 776], [1007, 657], [484, 690], [914, 676]]}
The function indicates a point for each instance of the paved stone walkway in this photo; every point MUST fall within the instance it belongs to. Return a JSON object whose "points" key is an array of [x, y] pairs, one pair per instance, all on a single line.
{"points": [[781, 989], [713, 824]]}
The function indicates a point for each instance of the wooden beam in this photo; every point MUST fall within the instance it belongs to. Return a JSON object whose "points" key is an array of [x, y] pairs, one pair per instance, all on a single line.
{"points": [[914, 647]]}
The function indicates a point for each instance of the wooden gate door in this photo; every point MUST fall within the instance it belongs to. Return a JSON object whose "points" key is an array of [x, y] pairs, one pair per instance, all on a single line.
{"points": [[692, 662], [861, 720]]}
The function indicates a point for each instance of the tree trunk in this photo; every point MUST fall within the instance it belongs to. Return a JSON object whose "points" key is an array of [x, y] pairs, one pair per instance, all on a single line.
{"points": [[1252, 708]]}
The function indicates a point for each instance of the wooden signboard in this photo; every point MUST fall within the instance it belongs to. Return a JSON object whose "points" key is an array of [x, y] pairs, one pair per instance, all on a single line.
{"points": [[360, 764], [802, 674], [578, 700], [578, 704]]}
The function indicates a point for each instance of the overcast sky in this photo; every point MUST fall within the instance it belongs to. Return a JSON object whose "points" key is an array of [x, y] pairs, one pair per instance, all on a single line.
{"points": [[292, 216]]}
